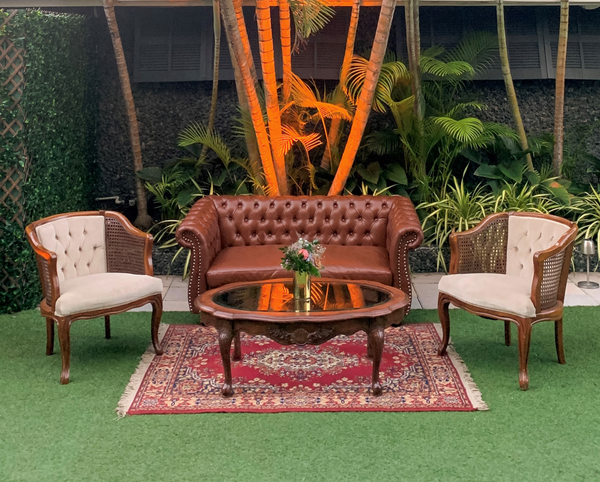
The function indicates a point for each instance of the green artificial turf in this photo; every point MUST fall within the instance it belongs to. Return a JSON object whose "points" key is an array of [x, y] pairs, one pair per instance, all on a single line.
{"points": [[50, 432]]}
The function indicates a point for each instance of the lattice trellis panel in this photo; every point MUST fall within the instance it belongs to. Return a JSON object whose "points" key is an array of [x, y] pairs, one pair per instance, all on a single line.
{"points": [[12, 64]]}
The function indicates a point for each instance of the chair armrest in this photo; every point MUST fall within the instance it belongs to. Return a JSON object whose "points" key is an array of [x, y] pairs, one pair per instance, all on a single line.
{"points": [[46, 261], [403, 233], [128, 250], [200, 233], [481, 249], [550, 272]]}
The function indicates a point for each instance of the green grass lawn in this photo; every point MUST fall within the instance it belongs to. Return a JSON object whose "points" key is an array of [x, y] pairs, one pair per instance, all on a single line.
{"points": [[50, 432]]}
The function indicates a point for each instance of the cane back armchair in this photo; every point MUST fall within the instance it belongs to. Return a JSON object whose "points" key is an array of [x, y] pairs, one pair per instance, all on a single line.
{"points": [[511, 267], [92, 264]]}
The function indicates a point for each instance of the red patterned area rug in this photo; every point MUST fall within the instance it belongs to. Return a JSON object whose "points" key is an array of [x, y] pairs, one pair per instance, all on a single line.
{"points": [[334, 377]]}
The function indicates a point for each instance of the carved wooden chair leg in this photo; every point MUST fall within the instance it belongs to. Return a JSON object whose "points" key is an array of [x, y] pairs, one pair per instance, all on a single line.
{"points": [[445, 320], [64, 339], [157, 309], [558, 337], [507, 333], [524, 330], [107, 327], [49, 336]]}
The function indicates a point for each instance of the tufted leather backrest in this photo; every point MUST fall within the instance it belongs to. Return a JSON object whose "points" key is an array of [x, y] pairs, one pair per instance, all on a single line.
{"points": [[344, 220], [79, 244], [526, 236]]}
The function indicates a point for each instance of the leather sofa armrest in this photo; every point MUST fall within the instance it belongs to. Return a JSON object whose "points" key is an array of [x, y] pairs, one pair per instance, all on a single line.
{"points": [[200, 233], [403, 233]]}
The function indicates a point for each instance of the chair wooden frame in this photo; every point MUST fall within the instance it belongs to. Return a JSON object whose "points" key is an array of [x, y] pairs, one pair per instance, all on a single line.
{"points": [[548, 306], [129, 237]]}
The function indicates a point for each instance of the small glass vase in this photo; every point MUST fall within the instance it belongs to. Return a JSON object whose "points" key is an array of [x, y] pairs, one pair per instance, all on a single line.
{"points": [[301, 289]]}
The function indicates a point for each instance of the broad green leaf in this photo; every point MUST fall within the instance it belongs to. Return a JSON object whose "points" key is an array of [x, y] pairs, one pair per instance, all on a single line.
{"points": [[397, 174], [489, 172], [150, 174]]}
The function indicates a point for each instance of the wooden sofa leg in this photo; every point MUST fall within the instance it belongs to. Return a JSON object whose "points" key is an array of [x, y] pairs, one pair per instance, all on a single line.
{"points": [[507, 333], [157, 308], [107, 327], [64, 339], [558, 338], [445, 321], [524, 330]]}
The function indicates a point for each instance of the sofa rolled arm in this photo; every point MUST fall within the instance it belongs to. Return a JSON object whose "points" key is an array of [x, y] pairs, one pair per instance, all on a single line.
{"points": [[481, 249], [550, 272], [200, 233], [128, 249], [403, 234]]}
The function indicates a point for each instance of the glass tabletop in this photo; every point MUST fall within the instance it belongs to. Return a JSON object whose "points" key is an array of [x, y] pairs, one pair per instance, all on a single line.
{"points": [[278, 297]]}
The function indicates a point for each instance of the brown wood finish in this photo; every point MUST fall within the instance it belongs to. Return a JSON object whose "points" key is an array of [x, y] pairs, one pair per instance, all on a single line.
{"points": [[524, 325], [301, 328], [47, 306]]}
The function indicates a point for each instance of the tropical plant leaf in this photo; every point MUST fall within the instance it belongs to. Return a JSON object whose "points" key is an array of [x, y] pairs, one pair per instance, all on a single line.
{"points": [[369, 173], [463, 130], [290, 136], [397, 174], [199, 134], [309, 16], [476, 48], [150, 174]]}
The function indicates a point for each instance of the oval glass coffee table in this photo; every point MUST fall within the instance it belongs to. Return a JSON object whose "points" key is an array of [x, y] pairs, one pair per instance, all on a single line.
{"points": [[267, 308]]}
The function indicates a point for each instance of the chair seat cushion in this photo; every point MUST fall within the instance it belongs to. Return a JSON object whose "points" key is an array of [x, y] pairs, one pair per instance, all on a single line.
{"points": [[255, 263], [104, 290], [498, 292]]}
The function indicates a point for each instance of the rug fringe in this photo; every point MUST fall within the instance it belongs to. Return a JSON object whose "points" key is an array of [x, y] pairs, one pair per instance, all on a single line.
{"points": [[473, 392], [136, 379]]}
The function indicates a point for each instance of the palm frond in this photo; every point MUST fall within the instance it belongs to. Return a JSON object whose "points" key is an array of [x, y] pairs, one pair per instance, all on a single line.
{"points": [[197, 133], [310, 16], [383, 142], [477, 48], [438, 68], [463, 130], [306, 97], [290, 136]]}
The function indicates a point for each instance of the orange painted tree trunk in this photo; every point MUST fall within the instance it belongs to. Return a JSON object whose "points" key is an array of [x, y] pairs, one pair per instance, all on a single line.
{"points": [[267, 58], [559, 101], [241, 24], [336, 124], [285, 35], [367, 93], [230, 20], [143, 220]]}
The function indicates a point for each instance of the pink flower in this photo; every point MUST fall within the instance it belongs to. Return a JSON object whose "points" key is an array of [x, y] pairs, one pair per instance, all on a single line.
{"points": [[304, 253]]}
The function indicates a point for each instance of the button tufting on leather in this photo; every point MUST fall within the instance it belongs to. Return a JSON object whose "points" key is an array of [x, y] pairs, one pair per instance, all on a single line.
{"points": [[311, 220], [360, 218], [351, 233], [272, 205], [239, 205], [262, 220], [245, 220], [287, 205], [327, 219], [278, 220], [368, 205], [384, 205], [319, 205], [255, 205], [335, 205], [303, 205]]}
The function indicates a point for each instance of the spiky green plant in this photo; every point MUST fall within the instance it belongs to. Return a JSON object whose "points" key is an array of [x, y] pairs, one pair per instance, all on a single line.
{"points": [[587, 211]]}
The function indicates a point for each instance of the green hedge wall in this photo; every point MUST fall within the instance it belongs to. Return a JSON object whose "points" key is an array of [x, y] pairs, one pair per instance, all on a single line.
{"points": [[59, 131]]}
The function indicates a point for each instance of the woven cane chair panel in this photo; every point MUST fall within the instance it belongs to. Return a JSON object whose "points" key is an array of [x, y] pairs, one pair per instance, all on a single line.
{"points": [[553, 267], [484, 251], [124, 251]]}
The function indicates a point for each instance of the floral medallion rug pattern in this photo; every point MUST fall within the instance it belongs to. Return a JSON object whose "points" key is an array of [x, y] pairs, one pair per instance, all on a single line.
{"points": [[334, 376]]}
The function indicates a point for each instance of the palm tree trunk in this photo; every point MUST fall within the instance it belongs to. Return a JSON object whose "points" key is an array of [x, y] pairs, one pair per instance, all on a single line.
{"points": [[559, 102], [508, 82], [285, 34], [216, 60], [234, 36], [249, 135], [336, 123], [367, 93], [267, 58], [239, 13], [143, 220]]}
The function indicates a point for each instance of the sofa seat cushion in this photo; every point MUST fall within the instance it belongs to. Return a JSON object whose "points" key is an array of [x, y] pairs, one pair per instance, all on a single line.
{"points": [[104, 290], [498, 292], [254, 263]]}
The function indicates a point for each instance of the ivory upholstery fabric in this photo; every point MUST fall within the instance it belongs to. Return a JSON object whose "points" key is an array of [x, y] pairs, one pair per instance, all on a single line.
{"points": [[254, 263], [79, 244], [526, 236], [104, 290], [499, 292]]}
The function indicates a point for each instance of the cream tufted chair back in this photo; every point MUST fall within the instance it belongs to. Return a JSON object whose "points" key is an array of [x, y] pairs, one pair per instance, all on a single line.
{"points": [[526, 236], [79, 243]]}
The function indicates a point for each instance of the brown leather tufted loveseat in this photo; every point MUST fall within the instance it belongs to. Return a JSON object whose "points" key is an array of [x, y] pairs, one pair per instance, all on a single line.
{"points": [[236, 238]]}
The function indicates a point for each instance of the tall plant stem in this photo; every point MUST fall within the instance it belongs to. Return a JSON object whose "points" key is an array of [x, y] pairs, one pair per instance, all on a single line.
{"points": [[559, 102], [143, 220], [508, 82], [241, 23], [234, 36], [267, 59], [216, 60], [367, 93], [285, 34], [336, 123]]}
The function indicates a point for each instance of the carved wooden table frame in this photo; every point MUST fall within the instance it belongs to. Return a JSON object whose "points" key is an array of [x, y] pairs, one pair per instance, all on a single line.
{"points": [[302, 328]]}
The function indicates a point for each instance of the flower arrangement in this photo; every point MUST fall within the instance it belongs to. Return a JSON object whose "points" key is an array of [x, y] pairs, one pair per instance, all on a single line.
{"points": [[303, 256]]}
